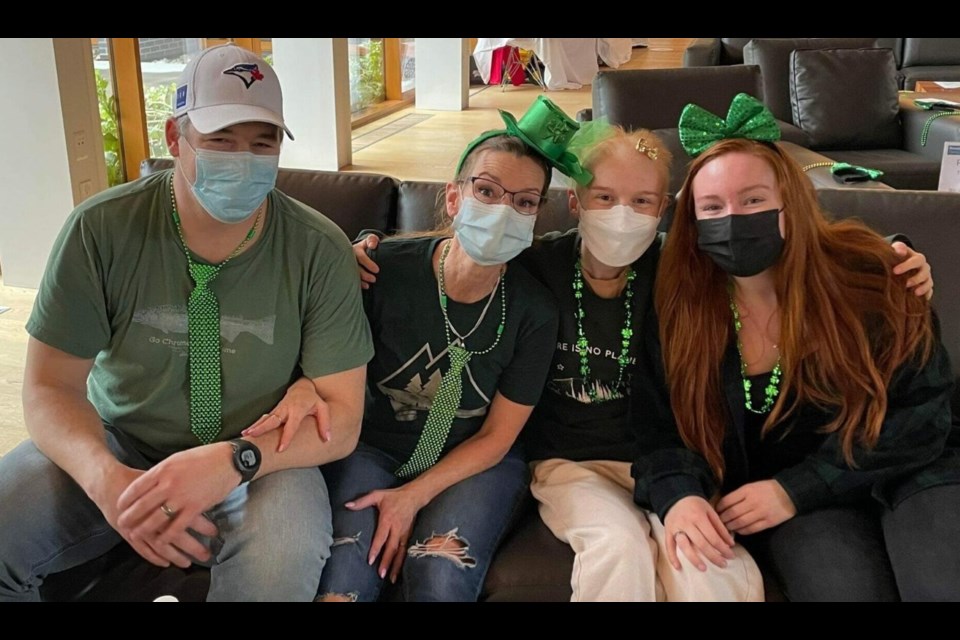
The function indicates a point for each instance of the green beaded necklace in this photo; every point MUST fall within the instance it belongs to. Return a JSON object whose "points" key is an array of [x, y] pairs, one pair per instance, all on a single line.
{"points": [[583, 346], [246, 239], [501, 283], [772, 390]]}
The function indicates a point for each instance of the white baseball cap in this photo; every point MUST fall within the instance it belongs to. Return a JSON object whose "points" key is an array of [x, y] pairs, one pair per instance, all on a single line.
{"points": [[226, 85]]}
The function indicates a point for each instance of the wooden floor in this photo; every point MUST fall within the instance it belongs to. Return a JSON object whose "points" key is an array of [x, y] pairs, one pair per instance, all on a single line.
{"points": [[424, 147]]}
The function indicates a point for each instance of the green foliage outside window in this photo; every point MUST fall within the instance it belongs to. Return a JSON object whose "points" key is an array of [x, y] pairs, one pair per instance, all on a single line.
{"points": [[109, 127], [366, 77]]}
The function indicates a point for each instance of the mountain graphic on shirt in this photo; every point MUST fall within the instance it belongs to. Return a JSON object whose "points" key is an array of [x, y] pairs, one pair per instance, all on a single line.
{"points": [[411, 387], [171, 318], [578, 389]]}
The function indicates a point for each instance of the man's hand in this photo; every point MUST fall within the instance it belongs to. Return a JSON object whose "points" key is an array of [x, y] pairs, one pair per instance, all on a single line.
{"points": [[367, 267], [158, 507]]}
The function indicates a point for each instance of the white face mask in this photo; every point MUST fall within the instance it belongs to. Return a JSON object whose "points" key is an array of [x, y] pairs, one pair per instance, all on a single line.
{"points": [[617, 236]]}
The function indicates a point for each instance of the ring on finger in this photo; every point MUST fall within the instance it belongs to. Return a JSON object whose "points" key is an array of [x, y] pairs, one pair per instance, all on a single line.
{"points": [[167, 511]]}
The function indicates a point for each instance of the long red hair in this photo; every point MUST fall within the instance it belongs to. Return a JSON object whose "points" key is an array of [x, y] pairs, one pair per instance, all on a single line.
{"points": [[846, 321]]}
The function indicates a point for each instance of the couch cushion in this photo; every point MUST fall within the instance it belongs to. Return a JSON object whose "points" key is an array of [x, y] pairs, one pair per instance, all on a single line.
{"points": [[931, 51], [731, 50], [531, 565], [901, 169], [654, 98], [846, 98], [931, 219], [354, 201], [773, 57]]}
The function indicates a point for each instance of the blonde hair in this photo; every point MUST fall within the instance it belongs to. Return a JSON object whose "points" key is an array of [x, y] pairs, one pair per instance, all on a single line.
{"points": [[616, 140]]}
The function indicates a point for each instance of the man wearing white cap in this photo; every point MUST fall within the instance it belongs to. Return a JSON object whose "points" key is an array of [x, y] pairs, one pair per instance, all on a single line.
{"points": [[175, 311]]}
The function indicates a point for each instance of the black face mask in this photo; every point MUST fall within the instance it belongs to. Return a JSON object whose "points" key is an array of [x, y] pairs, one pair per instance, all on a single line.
{"points": [[742, 245]]}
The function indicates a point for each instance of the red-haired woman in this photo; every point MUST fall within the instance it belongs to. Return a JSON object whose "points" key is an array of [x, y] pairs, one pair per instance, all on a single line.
{"points": [[810, 391]]}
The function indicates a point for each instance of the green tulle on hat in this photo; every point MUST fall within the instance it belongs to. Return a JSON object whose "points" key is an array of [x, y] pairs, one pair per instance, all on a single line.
{"points": [[590, 134], [545, 128]]}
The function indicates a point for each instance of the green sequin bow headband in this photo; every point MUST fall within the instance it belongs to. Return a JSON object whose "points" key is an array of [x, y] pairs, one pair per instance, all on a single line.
{"points": [[746, 118], [545, 128]]}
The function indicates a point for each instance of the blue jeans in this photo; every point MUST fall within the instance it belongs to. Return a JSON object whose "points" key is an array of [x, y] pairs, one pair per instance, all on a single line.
{"points": [[274, 533], [474, 512]]}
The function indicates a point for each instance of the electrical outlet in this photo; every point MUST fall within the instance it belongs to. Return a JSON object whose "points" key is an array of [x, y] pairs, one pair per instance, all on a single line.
{"points": [[80, 144]]}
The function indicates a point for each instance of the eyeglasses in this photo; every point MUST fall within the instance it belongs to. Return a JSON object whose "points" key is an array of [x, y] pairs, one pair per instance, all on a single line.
{"points": [[489, 192]]}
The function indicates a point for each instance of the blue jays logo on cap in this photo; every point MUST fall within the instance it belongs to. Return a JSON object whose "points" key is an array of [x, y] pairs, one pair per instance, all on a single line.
{"points": [[248, 72], [181, 100]]}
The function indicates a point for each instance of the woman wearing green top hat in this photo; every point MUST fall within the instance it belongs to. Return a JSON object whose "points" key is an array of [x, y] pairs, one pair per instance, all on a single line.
{"points": [[463, 342]]}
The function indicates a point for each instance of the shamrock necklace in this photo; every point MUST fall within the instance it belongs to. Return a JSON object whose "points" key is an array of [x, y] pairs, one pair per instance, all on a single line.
{"points": [[583, 346], [772, 390]]}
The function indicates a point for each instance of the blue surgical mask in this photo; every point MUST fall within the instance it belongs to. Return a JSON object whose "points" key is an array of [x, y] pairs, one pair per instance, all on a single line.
{"points": [[492, 234], [231, 185]]}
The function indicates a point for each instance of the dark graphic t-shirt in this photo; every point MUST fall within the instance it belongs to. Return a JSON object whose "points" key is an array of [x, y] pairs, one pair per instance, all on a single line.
{"points": [[411, 347], [566, 423]]}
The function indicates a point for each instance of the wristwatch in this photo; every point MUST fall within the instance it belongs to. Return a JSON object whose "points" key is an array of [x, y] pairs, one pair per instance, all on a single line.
{"points": [[246, 459]]}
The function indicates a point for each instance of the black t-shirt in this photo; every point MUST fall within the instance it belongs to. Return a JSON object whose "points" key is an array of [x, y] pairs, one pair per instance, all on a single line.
{"points": [[566, 424], [411, 347]]}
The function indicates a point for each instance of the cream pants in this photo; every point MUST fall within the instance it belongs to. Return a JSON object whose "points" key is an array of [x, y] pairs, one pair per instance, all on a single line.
{"points": [[620, 548]]}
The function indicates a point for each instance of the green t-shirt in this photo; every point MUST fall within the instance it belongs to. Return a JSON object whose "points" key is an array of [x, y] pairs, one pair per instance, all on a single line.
{"points": [[116, 288], [408, 328]]}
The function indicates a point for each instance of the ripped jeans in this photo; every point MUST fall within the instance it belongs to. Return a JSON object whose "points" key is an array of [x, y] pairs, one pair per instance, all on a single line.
{"points": [[474, 513]]}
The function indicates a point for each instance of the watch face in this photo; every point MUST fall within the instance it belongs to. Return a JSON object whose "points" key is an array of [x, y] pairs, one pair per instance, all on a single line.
{"points": [[248, 459]]}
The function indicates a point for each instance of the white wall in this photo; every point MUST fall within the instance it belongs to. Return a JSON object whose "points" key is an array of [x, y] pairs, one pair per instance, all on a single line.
{"points": [[34, 174], [443, 74], [314, 76]]}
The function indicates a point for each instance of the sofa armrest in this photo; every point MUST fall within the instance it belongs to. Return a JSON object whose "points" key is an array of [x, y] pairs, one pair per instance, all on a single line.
{"points": [[943, 129], [702, 52]]}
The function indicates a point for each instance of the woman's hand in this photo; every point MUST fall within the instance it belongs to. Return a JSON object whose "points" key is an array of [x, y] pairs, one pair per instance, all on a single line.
{"points": [[756, 506], [300, 401], [397, 510], [367, 267], [922, 281], [694, 527]]}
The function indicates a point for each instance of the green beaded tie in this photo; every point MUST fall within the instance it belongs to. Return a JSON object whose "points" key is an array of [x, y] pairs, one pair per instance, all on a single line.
{"points": [[447, 399], [444, 408], [203, 327]]}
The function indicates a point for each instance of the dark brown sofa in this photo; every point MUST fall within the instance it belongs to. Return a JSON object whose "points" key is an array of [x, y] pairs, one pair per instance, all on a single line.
{"points": [[916, 58], [531, 565]]}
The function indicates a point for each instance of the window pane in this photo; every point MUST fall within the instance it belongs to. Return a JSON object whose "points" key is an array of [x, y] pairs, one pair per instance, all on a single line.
{"points": [[109, 111], [161, 61], [407, 63], [366, 72]]}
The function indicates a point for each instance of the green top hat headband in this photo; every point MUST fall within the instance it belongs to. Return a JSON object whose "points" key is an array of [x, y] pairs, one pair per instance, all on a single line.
{"points": [[545, 128], [746, 118]]}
